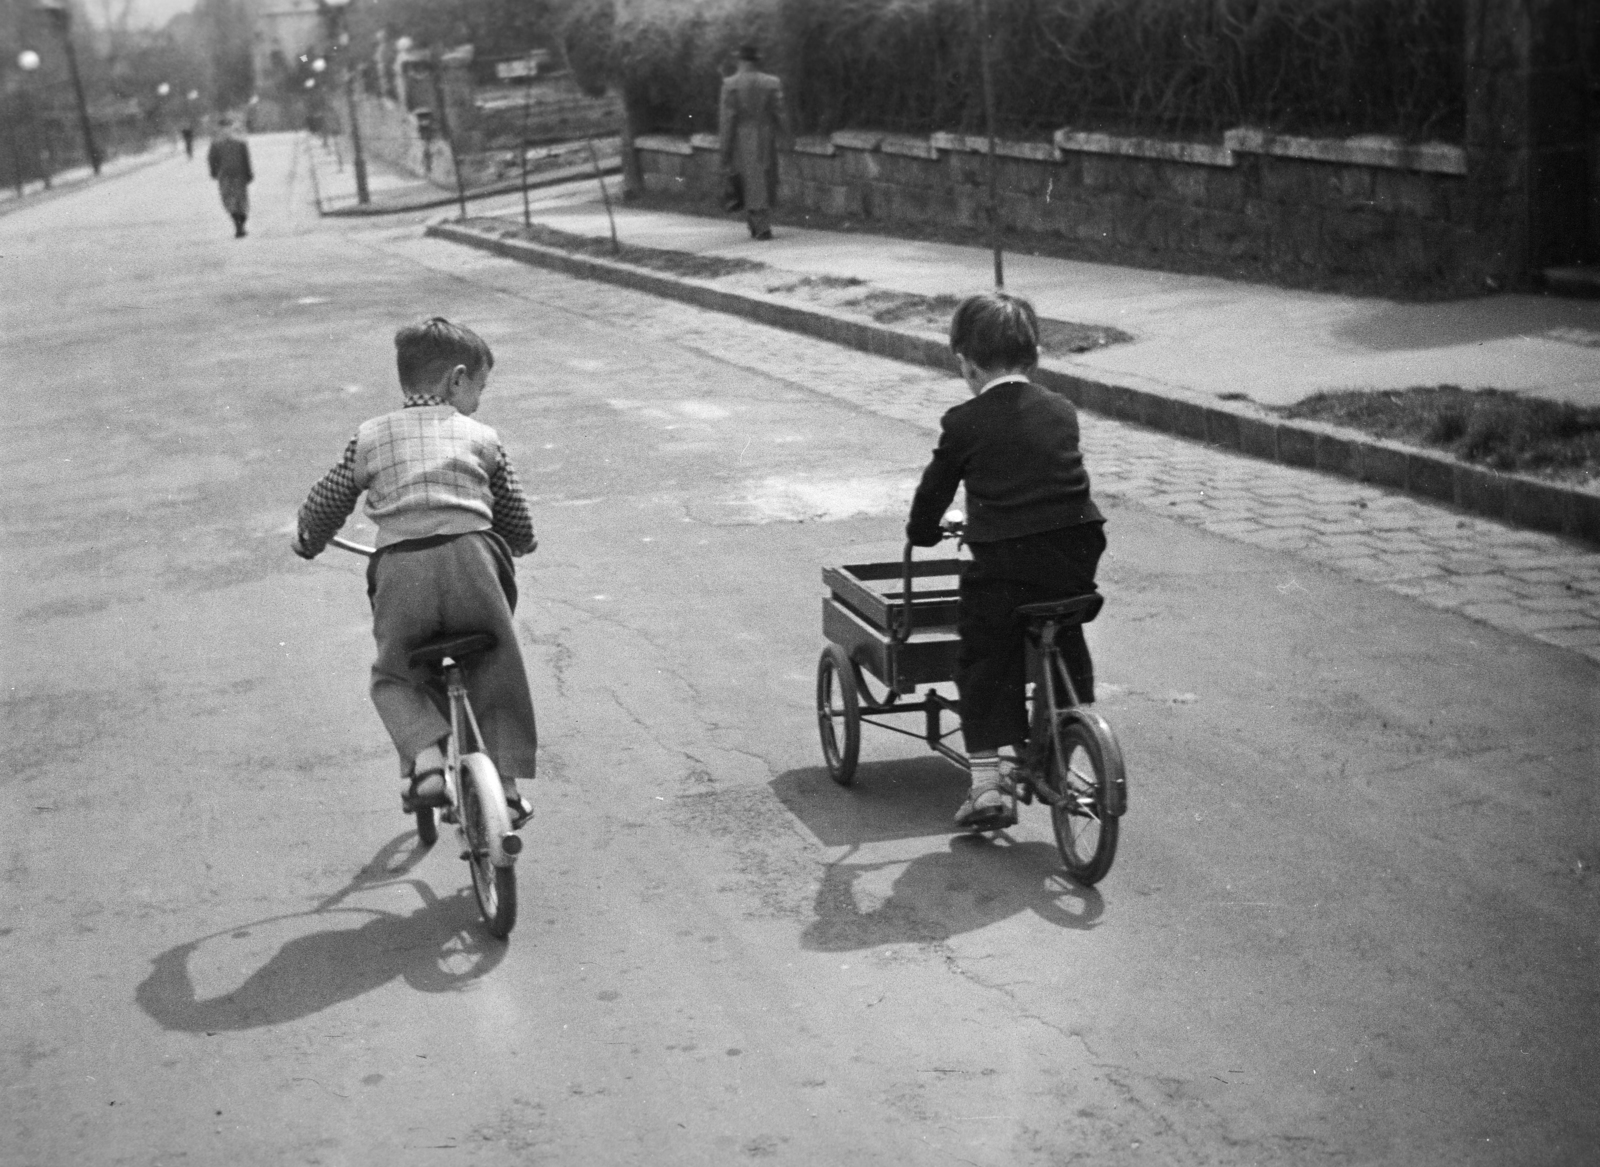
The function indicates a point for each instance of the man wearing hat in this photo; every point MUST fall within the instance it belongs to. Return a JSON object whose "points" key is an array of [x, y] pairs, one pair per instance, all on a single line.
{"points": [[753, 119], [229, 159]]}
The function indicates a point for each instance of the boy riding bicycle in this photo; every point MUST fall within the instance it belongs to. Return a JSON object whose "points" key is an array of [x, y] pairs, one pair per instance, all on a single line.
{"points": [[450, 515], [1035, 533]]}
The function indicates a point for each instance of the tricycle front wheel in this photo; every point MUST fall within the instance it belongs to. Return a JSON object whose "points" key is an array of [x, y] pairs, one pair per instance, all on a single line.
{"points": [[1084, 762], [838, 714]]}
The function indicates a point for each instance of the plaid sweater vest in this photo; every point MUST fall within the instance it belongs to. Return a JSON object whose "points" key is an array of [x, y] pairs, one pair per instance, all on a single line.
{"points": [[426, 472]]}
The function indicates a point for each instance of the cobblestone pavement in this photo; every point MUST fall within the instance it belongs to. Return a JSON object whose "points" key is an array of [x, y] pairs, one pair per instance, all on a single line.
{"points": [[1521, 581]]}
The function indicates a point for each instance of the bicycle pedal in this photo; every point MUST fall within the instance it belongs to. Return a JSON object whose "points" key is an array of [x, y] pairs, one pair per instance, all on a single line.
{"points": [[1017, 790]]}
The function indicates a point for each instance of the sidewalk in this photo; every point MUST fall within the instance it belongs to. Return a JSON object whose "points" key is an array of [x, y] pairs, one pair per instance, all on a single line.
{"points": [[1197, 333], [34, 190]]}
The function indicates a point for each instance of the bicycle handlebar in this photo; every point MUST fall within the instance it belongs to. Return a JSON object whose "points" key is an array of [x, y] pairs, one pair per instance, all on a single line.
{"points": [[358, 548]]}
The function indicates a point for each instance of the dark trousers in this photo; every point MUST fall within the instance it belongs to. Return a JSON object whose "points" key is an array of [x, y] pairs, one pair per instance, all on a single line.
{"points": [[991, 665]]}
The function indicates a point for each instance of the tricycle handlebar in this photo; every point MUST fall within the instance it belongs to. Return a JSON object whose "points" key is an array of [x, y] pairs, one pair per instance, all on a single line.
{"points": [[953, 525]]}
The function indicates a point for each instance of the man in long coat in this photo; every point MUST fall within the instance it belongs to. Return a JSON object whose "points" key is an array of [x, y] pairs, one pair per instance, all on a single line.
{"points": [[229, 159], [753, 119]]}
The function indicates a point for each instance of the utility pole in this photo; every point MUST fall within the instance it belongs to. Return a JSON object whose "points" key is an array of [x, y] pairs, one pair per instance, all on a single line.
{"points": [[61, 16], [336, 12], [447, 126], [988, 113]]}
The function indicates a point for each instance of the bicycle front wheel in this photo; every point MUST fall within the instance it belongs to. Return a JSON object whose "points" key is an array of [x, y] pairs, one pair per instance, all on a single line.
{"points": [[1085, 764], [485, 823]]}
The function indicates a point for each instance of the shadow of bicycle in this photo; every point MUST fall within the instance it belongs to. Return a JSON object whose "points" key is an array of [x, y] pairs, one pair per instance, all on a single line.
{"points": [[437, 948]]}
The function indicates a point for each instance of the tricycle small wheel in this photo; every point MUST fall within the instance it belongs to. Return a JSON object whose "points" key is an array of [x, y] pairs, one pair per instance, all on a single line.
{"points": [[838, 714]]}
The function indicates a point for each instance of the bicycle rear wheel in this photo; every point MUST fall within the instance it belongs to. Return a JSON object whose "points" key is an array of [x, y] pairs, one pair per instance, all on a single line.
{"points": [[485, 822], [1085, 763]]}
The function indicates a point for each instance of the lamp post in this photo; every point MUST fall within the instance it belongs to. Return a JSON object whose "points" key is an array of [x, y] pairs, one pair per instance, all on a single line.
{"points": [[336, 12], [28, 61], [61, 16], [163, 91]]}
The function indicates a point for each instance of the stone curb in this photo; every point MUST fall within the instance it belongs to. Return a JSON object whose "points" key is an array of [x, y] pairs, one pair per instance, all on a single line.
{"points": [[1511, 498]]}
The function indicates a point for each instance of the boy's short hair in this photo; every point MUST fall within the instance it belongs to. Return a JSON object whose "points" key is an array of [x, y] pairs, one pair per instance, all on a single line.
{"points": [[425, 351], [995, 330]]}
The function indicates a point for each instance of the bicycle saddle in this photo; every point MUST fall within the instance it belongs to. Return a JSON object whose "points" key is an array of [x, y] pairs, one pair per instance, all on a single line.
{"points": [[1073, 610], [457, 647]]}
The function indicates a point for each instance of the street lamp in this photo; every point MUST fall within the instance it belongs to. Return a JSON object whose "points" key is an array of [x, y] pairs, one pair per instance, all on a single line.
{"points": [[163, 91], [61, 16], [28, 61], [336, 13]]}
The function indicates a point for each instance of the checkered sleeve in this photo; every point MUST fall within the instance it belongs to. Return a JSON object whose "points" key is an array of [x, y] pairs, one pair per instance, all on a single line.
{"points": [[328, 505], [512, 522]]}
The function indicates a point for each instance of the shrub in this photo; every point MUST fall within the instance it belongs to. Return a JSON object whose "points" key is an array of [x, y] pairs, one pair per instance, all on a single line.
{"points": [[1190, 67]]}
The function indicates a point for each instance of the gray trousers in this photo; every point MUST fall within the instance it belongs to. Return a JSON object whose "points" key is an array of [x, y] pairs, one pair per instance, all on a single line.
{"points": [[449, 588]]}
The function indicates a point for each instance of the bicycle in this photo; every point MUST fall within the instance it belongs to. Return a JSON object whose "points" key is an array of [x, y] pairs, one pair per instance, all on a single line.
{"points": [[474, 800], [1072, 762]]}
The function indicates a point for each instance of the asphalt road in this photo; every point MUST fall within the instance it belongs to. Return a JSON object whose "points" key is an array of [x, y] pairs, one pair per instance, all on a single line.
{"points": [[1353, 920]]}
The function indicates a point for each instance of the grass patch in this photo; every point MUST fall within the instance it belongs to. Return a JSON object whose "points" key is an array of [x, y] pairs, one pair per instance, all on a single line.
{"points": [[901, 307], [678, 263], [1502, 430], [1056, 337], [822, 283]]}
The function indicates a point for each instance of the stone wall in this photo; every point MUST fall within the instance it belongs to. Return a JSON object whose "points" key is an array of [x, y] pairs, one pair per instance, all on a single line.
{"points": [[1305, 210], [389, 132]]}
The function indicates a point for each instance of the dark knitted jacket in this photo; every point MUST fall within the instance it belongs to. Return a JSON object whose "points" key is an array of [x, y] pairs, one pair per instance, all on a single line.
{"points": [[1015, 445]]}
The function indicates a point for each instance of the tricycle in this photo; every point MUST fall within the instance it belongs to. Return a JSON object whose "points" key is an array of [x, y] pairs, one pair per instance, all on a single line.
{"points": [[904, 637]]}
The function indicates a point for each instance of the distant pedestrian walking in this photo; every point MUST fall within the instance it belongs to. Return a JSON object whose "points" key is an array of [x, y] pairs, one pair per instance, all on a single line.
{"points": [[188, 140], [229, 159], [753, 120]]}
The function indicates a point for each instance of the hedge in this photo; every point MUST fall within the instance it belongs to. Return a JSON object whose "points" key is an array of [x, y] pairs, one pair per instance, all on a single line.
{"points": [[1175, 67]]}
